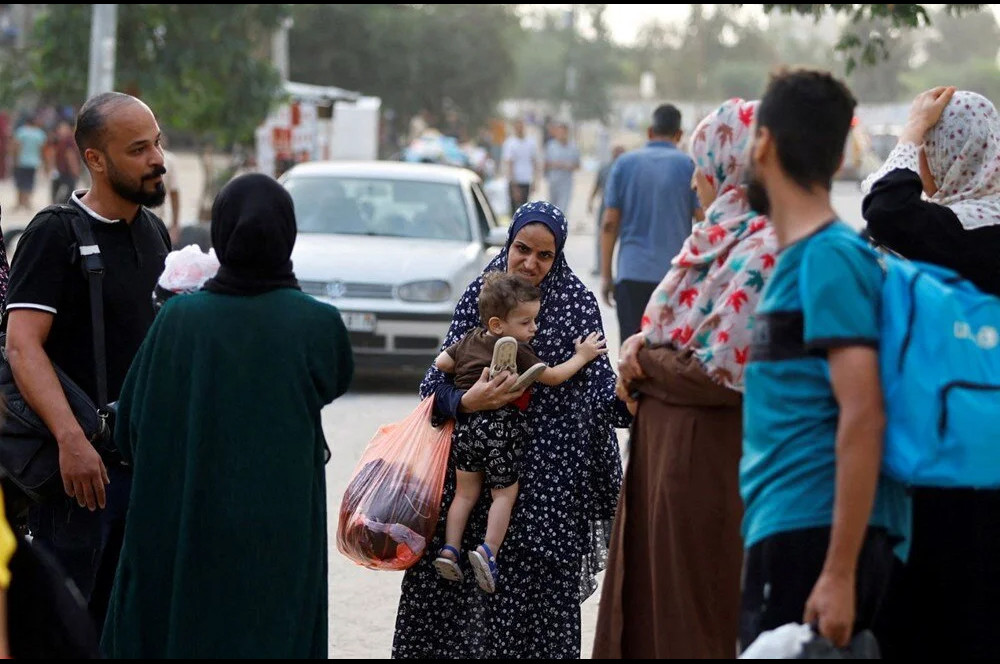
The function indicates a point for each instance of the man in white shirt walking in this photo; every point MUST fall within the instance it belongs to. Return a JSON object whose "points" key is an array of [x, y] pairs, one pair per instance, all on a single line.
{"points": [[520, 159]]}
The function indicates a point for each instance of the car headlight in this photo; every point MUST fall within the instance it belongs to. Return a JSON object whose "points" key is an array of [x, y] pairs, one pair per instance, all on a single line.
{"points": [[424, 291]]}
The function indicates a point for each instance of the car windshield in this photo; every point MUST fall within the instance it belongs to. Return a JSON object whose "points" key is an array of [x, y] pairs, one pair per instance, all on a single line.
{"points": [[379, 206]]}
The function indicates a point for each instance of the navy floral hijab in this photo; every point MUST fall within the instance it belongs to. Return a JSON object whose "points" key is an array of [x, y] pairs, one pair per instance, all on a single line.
{"points": [[573, 457]]}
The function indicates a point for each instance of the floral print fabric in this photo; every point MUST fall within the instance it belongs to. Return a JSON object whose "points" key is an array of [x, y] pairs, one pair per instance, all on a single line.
{"points": [[707, 299], [570, 479], [963, 155]]}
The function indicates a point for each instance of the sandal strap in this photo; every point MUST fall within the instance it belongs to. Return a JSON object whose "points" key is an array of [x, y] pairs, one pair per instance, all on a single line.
{"points": [[491, 560], [449, 547]]}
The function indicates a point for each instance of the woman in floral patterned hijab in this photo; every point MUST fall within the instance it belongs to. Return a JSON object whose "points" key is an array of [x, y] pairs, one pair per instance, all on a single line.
{"points": [[706, 301], [672, 587]]}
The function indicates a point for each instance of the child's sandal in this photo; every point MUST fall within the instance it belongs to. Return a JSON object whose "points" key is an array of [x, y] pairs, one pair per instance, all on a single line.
{"points": [[446, 567], [485, 568]]}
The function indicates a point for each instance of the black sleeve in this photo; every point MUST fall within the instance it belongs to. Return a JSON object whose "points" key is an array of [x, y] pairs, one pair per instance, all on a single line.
{"points": [[41, 265], [447, 398], [899, 219]]}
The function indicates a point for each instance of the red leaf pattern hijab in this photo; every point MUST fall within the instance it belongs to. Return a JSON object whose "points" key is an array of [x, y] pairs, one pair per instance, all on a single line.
{"points": [[707, 299], [963, 154]]}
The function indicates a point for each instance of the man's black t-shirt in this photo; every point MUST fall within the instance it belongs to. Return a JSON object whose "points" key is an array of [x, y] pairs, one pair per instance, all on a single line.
{"points": [[45, 275]]}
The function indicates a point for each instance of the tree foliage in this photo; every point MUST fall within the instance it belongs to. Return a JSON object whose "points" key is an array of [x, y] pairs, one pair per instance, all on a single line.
{"points": [[867, 36], [207, 69], [204, 69], [413, 57]]}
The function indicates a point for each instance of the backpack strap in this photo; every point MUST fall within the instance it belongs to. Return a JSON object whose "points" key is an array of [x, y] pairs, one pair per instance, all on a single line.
{"points": [[92, 265]]}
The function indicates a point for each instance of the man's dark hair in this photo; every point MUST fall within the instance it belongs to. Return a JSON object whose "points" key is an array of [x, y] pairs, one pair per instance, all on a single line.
{"points": [[666, 120], [92, 120], [502, 292], [808, 113]]}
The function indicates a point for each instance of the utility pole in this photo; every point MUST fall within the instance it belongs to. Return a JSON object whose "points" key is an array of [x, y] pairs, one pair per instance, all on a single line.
{"points": [[103, 29], [570, 87], [279, 47]]}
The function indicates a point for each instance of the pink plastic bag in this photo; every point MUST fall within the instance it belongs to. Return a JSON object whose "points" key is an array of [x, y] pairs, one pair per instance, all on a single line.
{"points": [[391, 505]]}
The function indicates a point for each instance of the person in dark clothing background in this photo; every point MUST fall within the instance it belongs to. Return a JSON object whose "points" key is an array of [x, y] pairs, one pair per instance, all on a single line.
{"points": [[946, 598]]}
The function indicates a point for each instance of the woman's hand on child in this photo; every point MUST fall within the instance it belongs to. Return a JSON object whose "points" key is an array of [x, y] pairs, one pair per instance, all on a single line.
{"points": [[488, 394], [592, 346]]}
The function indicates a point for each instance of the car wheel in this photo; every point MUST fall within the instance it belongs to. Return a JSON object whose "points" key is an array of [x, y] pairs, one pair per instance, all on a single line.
{"points": [[10, 239]]}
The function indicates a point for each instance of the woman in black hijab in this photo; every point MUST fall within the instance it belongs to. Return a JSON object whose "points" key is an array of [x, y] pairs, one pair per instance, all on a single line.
{"points": [[220, 420], [253, 232]]}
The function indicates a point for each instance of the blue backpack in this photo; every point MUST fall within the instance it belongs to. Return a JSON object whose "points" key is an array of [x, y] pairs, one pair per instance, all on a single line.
{"points": [[940, 368]]}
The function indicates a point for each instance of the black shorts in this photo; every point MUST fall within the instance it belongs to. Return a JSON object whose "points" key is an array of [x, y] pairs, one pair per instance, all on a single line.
{"points": [[518, 196], [779, 573], [491, 441], [24, 179]]}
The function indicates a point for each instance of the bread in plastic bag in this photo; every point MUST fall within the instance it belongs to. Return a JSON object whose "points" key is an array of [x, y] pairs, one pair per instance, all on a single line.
{"points": [[391, 505]]}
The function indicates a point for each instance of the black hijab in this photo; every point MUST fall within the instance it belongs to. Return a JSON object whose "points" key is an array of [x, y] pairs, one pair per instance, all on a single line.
{"points": [[253, 232]]}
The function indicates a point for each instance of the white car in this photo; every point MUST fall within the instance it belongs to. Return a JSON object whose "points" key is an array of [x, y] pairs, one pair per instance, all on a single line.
{"points": [[392, 245]]}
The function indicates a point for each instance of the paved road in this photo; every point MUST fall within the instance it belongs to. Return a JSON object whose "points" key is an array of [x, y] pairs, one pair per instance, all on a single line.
{"points": [[363, 601]]}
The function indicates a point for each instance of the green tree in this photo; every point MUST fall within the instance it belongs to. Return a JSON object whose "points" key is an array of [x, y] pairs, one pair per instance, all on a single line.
{"points": [[977, 74], [716, 56], [868, 47], [540, 59], [958, 39], [881, 81], [412, 57], [203, 69]]}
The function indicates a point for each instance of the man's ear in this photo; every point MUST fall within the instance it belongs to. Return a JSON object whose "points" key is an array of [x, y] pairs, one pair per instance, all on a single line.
{"points": [[763, 144], [94, 159]]}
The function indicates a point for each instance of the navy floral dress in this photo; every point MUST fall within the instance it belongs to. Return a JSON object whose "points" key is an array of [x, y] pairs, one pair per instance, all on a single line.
{"points": [[4, 273], [559, 530]]}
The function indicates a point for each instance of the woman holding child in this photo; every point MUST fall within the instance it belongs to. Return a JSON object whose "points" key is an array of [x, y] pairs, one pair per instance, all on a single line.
{"points": [[569, 484]]}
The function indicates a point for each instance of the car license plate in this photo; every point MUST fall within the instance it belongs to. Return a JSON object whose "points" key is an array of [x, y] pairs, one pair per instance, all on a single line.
{"points": [[357, 321]]}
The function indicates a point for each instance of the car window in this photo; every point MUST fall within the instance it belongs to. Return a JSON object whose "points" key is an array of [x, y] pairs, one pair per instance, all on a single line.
{"points": [[379, 206], [484, 212]]}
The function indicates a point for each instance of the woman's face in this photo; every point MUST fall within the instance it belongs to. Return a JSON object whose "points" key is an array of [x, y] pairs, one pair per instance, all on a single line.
{"points": [[532, 253], [702, 187]]}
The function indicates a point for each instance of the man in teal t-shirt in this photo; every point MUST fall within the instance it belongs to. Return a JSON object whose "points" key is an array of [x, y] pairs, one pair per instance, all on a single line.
{"points": [[820, 520], [29, 139]]}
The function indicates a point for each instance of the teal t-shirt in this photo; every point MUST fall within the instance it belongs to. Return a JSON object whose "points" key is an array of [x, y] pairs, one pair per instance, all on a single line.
{"points": [[32, 140], [824, 293]]}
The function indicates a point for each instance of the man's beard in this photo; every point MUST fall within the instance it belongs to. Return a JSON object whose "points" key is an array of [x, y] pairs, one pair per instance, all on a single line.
{"points": [[136, 194], [757, 194]]}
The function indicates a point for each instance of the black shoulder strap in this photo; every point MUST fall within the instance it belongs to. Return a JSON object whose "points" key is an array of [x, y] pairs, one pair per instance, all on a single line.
{"points": [[93, 269]]}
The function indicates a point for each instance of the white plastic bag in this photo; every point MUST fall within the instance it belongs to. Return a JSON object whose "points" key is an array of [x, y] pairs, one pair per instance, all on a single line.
{"points": [[785, 642], [186, 270]]}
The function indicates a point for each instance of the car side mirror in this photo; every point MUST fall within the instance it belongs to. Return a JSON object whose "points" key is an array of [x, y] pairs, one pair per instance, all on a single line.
{"points": [[497, 236]]}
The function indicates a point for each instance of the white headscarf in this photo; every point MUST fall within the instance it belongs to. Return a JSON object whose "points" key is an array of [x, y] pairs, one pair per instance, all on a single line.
{"points": [[963, 155]]}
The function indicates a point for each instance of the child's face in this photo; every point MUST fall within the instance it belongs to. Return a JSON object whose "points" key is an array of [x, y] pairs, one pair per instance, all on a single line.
{"points": [[520, 322]]}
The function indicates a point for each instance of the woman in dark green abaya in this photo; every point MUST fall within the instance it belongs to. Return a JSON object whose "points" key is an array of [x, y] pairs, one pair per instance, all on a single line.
{"points": [[225, 551]]}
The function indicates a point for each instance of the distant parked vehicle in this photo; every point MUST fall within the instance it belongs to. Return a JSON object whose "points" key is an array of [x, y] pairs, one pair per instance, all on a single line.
{"points": [[393, 245]]}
